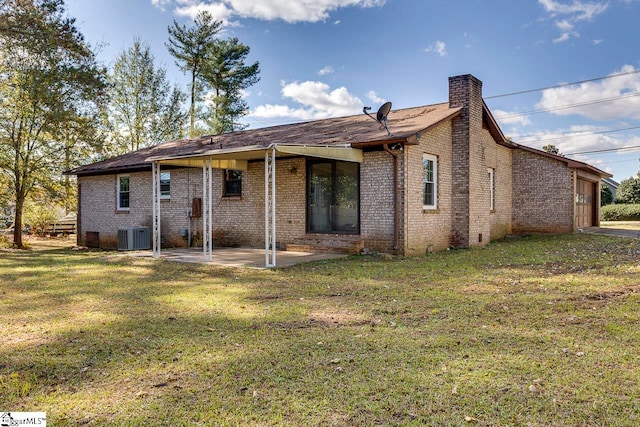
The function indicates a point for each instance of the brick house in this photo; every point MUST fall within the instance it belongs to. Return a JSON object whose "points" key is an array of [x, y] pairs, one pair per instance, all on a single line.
{"points": [[443, 176]]}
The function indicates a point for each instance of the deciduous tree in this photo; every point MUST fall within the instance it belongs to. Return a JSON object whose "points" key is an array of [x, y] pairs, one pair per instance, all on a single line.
{"points": [[143, 108], [628, 191], [551, 149], [49, 78], [606, 196]]}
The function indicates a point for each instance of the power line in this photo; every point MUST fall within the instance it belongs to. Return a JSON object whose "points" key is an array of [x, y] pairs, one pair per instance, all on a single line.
{"points": [[564, 107], [610, 76], [607, 150], [618, 161], [575, 133]]}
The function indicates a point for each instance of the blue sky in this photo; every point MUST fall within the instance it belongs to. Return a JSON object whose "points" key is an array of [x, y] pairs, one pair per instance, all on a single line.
{"points": [[322, 58]]}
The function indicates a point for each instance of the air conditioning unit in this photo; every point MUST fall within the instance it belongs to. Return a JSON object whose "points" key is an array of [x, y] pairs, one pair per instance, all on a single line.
{"points": [[134, 238]]}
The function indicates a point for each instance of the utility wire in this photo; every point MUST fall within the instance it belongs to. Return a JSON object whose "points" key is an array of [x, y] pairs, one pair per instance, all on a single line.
{"points": [[564, 107], [562, 135], [610, 76], [607, 150]]}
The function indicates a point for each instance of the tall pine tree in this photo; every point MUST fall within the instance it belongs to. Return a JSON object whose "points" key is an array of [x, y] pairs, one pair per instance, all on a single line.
{"points": [[228, 76], [191, 47]]}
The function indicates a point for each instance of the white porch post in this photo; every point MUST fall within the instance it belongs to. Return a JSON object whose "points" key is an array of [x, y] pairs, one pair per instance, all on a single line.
{"points": [[155, 178], [270, 208], [207, 226]]}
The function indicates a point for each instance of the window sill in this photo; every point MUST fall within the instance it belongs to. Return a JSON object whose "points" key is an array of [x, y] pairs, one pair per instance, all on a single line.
{"points": [[122, 211], [232, 196]]}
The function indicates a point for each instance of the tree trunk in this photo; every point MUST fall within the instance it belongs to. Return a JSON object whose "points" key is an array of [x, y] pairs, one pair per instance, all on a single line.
{"points": [[17, 222], [67, 179], [192, 107]]}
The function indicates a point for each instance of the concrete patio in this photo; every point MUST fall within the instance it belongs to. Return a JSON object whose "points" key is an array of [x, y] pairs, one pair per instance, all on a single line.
{"points": [[239, 257], [620, 232]]}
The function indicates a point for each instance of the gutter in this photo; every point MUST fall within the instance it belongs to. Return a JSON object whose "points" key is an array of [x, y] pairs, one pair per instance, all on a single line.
{"points": [[396, 238]]}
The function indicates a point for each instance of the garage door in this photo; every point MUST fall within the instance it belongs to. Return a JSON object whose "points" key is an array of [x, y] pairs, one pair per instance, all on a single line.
{"points": [[585, 203]]}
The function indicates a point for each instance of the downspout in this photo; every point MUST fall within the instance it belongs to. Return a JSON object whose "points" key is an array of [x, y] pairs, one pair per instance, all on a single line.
{"points": [[396, 239]]}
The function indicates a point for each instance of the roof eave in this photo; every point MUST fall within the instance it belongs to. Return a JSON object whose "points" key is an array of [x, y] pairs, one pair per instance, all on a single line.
{"points": [[139, 167], [411, 139], [492, 126], [407, 139]]}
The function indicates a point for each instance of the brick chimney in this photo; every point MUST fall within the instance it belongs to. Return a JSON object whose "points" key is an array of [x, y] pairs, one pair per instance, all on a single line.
{"points": [[465, 91]]}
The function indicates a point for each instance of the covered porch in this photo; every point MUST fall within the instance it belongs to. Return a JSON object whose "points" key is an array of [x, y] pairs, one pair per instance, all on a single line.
{"points": [[238, 159], [239, 257]]}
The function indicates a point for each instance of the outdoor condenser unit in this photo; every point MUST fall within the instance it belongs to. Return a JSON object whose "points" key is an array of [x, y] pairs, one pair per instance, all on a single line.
{"points": [[134, 238]]}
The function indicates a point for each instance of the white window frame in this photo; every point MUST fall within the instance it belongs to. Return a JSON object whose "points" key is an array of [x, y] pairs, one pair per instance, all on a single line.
{"points": [[492, 185], [164, 195], [119, 191], [434, 160]]}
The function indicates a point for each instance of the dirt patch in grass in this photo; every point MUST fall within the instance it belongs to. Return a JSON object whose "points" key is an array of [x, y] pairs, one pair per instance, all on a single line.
{"points": [[617, 294]]}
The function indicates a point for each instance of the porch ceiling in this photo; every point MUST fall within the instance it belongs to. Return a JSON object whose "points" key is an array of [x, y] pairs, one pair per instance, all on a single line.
{"points": [[238, 158]]}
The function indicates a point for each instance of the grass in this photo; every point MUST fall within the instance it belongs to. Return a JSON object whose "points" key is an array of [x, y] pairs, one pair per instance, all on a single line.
{"points": [[627, 225], [536, 331]]}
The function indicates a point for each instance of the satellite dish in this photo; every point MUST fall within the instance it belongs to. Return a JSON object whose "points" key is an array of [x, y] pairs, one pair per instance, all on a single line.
{"points": [[381, 115], [383, 111]]}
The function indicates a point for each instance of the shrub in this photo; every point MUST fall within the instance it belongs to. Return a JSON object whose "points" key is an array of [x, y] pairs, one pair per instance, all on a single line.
{"points": [[5, 242], [628, 191], [620, 212]]}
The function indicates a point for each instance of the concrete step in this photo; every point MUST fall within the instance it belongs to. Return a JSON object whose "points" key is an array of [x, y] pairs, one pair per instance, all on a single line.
{"points": [[348, 245]]}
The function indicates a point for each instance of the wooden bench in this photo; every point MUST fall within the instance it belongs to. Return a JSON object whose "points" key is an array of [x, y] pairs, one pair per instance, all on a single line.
{"points": [[63, 227]]}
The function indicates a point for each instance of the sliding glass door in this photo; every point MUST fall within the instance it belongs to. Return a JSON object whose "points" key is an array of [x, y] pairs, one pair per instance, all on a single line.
{"points": [[333, 197]]}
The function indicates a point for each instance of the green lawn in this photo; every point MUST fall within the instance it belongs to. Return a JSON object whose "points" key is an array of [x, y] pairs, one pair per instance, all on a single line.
{"points": [[535, 331], [627, 225]]}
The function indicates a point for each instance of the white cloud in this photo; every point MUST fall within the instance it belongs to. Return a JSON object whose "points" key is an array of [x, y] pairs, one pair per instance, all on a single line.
{"points": [[581, 139], [326, 70], [317, 101], [160, 4], [287, 10], [373, 97], [563, 37], [597, 42], [578, 10], [564, 25], [510, 118], [621, 93], [572, 13], [438, 47], [567, 31], [219, 11]]}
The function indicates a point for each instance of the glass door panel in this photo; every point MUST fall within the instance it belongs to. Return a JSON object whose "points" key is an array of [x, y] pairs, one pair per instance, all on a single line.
{"points": [[345, 210], [320, 198], [333, 197]]}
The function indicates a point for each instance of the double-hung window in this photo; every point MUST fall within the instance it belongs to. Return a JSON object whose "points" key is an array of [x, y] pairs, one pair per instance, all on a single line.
{"points": [[232, 182], [165, 185], [123, 193], [429, 182]]}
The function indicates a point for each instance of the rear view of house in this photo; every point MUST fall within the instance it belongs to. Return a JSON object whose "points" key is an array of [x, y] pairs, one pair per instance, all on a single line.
{"points": [[443, 176]]}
